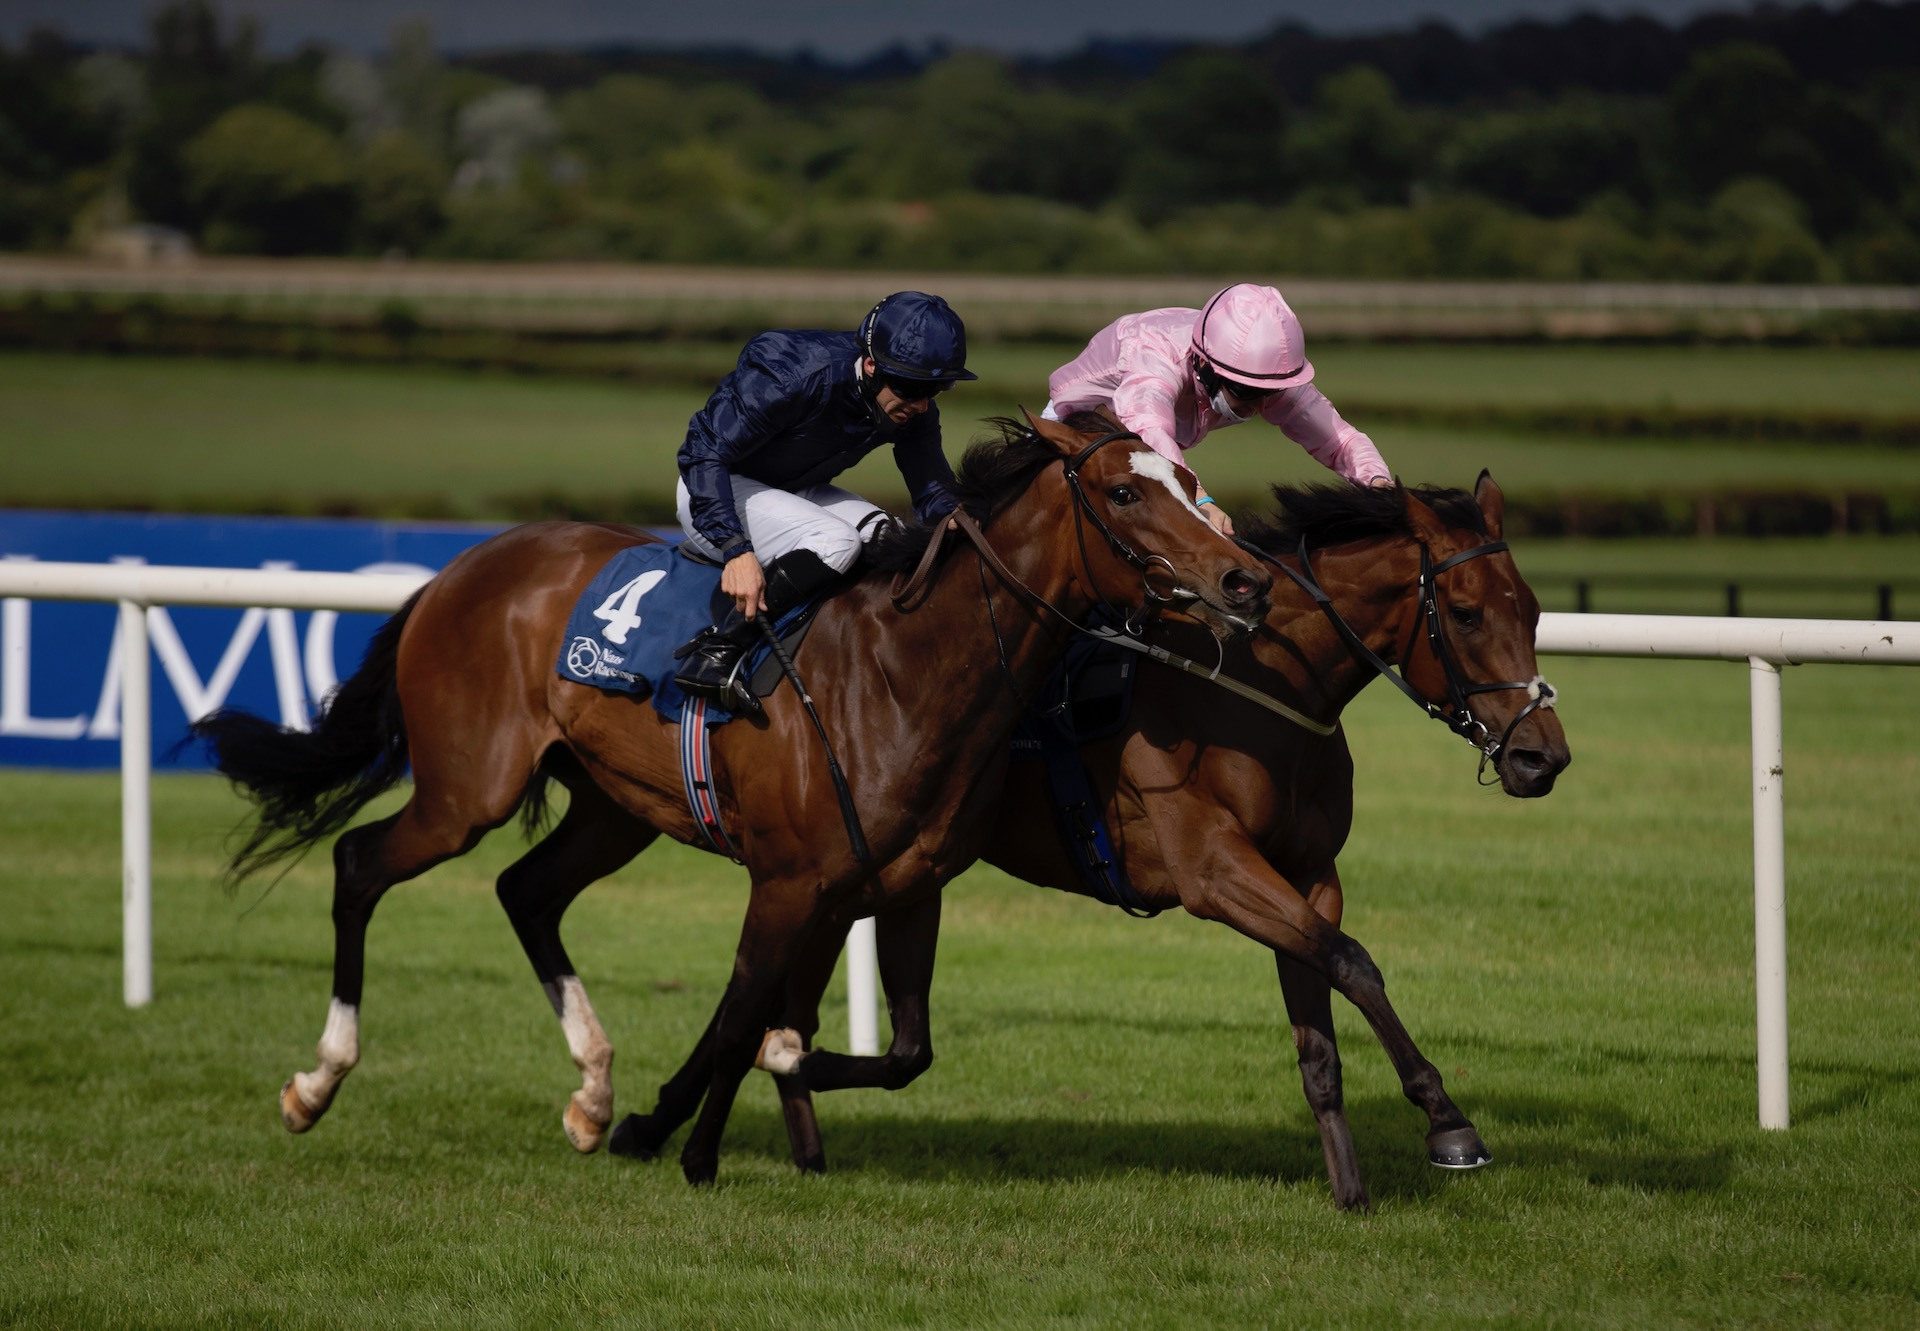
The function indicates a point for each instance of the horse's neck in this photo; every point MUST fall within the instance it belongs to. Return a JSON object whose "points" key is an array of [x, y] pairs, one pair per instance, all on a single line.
{"points": [[1000, 639], [1370, 584]]}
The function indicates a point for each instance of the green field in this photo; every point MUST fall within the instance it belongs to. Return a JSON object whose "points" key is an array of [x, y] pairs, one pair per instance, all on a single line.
{"points": [[274, 436], [1113, 1133]]}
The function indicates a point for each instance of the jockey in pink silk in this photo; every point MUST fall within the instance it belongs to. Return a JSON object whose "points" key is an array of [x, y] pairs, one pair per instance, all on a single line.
{"points": [[1173, 375]]}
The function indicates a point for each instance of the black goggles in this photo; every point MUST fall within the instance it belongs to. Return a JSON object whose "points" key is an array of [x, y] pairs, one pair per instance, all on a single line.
{"points": [[1215, 381], [915, 390]]}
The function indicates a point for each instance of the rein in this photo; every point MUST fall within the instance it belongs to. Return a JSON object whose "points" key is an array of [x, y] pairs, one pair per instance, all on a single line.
{"points": [[911, 593], [1456, 713]]}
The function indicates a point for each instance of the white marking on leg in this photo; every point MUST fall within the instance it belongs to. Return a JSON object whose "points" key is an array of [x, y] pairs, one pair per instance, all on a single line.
{"points": [[781, 1052], [1146, 462], [593, 1055], [338, 1053]]}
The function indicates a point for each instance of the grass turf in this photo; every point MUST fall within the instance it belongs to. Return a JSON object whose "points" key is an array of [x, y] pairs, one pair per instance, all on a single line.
{"points": [[268, 436], [1113, 1133]]}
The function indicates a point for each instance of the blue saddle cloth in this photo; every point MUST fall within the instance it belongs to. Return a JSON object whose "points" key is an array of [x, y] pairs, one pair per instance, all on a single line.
{"points": [[622, 633]]}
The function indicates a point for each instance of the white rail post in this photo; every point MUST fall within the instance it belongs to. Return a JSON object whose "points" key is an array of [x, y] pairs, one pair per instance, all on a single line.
{"points": [[136, 821], [863, 1023], [1769, 893]]}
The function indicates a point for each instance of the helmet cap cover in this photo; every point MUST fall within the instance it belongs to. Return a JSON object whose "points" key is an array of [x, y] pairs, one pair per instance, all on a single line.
{"points": [[1251, 336]]}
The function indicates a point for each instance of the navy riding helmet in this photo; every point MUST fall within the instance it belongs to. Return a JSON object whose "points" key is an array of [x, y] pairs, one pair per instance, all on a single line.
{"points": [[916, 337]]}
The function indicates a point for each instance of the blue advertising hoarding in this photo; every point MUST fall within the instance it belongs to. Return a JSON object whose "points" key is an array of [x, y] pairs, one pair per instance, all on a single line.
{"points": [[59, 662]]}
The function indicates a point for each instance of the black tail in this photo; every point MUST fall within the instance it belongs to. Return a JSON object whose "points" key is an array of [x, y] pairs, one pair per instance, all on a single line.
{"points": [[308, 784]]}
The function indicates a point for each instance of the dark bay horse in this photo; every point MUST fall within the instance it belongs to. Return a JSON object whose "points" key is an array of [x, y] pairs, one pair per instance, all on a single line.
{"points": [[1237, 815], [461, 686]]}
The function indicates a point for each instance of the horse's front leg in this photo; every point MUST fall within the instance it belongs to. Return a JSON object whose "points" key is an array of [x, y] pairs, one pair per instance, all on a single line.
{"points": [[1246, 892], [1310, 1009], [906, 939], [786, 1045], [783, 922]]}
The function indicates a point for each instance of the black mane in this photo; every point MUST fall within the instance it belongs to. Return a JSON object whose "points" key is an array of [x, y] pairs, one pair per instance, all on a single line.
{"points": [[1335, 514], [993, 472]]}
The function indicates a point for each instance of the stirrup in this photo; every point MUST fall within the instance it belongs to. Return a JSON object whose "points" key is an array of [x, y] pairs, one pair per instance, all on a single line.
{"points": [[729, 690]]}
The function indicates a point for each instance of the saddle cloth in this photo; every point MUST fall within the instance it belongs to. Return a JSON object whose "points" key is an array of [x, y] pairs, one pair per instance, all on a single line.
{"points": [[646, 601]]}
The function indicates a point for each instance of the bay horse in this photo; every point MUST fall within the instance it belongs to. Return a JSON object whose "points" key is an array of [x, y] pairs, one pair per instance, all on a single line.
{"points": [[461, 686], [1238, 815]]}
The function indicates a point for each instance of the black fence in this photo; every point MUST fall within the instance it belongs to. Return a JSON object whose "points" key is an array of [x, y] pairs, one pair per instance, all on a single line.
{"points": [[1694, 594]]}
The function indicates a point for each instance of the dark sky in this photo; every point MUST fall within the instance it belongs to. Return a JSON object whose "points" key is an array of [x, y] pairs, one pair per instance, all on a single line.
{"points": [[847, 29]]}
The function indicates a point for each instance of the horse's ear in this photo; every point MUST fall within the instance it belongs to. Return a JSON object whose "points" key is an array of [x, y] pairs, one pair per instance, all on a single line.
{"points": [[1065, 441], [1493, 504], [1422, 521]]}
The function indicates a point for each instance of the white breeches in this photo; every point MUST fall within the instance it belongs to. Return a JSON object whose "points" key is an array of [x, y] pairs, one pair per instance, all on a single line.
{"points": [[831, 522]]}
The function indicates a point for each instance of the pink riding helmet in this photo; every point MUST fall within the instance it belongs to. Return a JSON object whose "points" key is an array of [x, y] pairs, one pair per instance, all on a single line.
{"points": [[1250, 335]]}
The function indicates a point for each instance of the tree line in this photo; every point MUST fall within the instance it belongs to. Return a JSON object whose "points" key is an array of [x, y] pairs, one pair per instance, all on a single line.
{"points": [[1778, 145]]}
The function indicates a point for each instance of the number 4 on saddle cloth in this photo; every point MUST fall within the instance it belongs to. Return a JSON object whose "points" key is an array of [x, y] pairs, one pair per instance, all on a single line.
{"points": [[1088, 698], [644, 603]]}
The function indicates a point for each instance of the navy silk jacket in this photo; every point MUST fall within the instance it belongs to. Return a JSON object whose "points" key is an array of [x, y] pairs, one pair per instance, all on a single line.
{"points": [[790, 415]]}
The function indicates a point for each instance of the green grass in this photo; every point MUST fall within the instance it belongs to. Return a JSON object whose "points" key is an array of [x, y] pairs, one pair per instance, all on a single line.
{"points": [[1882, 381], [253, 436], [1113, 1133]]}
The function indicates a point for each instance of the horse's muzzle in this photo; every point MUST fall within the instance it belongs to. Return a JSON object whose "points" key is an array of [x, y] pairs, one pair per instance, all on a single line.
{"points": [[1527, 772], [1242, 602]]}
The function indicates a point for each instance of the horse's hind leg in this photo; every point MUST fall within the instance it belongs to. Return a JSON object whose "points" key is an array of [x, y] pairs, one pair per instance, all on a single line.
{"points": [[366, 862], [594, 838]]}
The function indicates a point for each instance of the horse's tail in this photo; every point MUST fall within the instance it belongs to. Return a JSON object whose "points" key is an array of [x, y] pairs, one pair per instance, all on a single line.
{"points": [[308, 784]]}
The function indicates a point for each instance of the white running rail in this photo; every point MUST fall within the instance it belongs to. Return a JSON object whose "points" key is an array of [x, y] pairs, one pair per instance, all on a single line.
{"points": [[1765, 644]]}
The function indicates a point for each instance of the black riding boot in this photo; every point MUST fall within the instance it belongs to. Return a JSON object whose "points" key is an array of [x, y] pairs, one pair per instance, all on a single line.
{"points": [[710, 665]]}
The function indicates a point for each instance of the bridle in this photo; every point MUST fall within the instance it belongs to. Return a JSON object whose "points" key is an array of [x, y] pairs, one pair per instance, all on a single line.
{"points": [[1456, 711], [1147, 565], [908, 594]]}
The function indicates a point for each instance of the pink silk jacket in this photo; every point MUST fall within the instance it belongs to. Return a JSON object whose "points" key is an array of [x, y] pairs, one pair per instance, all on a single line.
{"points": [[1138, 366]]}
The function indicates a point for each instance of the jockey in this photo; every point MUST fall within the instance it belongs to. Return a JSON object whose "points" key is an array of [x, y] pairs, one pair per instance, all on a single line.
{"points": [[1173, 375], [800, 408]]}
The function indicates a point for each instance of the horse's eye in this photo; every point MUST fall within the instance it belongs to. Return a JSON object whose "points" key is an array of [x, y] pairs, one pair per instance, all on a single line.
{"points": [[1124, 495], [1465, 616]]}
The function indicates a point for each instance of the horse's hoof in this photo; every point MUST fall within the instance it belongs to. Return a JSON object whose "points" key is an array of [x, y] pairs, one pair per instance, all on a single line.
{"points": [[296, 1113], [1458, 1148], [780, 1052], [583, 1133], [700, 1173], [1356, 1201], [633, 1138]]}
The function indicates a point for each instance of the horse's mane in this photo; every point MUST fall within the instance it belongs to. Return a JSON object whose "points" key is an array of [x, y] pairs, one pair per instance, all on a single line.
{"points": [[1336, 514], [994, 471]]}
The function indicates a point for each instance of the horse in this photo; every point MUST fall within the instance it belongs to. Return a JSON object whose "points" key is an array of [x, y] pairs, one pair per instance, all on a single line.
{"points": [[1238, 814], [460, 684]]}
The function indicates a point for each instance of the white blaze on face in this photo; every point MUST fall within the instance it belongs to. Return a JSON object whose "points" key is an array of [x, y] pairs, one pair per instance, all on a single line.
{"points": [[1145, 462]]}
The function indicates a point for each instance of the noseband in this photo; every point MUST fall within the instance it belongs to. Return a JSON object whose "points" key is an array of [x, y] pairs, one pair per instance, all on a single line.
{"points": [[1147, 565], [1456, 712]]}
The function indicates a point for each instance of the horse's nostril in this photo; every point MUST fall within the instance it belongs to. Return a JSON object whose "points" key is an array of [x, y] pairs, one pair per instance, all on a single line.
{"points": [[1531, 762], [1240, 585]]}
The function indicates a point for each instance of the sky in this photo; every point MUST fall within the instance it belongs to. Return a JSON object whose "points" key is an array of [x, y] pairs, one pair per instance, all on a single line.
{"points": [[848, 29]]}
